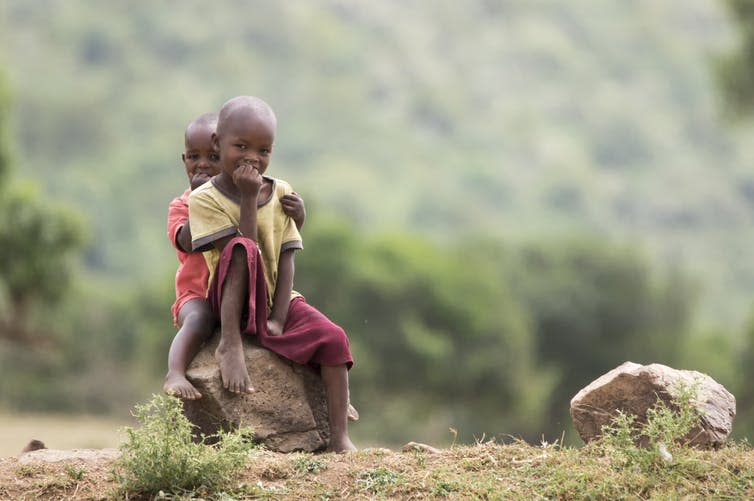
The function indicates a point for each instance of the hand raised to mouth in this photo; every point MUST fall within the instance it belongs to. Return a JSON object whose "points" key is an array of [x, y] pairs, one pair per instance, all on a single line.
{"points": [[247, 179]]}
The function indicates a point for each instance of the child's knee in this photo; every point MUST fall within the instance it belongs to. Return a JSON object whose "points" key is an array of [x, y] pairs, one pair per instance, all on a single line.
{"points": [[238, 253], [201, 320], [240, 249]]}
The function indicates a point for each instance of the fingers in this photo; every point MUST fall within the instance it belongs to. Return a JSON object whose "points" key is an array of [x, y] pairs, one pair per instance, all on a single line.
{"points": [[292, 202], [292, 198], [246, 171]]}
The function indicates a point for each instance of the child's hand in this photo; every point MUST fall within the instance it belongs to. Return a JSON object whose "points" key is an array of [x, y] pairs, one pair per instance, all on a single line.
{"points": [[199, 179], [274, 327], [293, 206], [248, 180]]}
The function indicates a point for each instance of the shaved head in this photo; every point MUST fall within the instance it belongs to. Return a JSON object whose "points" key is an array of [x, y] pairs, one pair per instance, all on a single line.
{"points": [[205, 121], [246, 104]]}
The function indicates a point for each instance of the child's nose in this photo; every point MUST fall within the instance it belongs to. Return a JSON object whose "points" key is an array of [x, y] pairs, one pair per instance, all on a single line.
{"points": [[251, 159]]}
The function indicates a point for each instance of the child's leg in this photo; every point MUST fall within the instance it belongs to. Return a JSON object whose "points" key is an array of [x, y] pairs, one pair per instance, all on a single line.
{"points": [[230, 353], [335, 379], [196, 322]]}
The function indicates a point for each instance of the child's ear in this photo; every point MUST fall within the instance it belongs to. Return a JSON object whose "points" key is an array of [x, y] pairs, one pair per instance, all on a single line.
{"points": [[215, 142], [183, 157]]}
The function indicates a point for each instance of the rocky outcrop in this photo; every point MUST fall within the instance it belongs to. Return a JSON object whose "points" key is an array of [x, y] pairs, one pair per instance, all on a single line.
{"points": [[288, 410], [634, 388]]}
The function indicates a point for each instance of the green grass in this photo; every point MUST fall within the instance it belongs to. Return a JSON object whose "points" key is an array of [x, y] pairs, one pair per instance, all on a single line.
{"points": [[160, 462], [161, 458]]}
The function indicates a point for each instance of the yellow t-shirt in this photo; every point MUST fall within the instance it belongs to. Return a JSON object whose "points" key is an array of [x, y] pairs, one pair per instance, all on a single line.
{"points": [[214, 214]]}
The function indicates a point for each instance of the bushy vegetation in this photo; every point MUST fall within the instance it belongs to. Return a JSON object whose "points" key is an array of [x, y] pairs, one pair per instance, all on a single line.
{"points": [[650, 443], [162, 457]]}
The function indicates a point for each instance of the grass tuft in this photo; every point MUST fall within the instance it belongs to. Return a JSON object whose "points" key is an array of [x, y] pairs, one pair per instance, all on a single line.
{"points": [[378, 480], [161, 457]]}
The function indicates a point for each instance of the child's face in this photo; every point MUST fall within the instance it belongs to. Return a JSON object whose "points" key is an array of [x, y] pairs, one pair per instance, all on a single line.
{"points": [[247, 138], [200, 159]]}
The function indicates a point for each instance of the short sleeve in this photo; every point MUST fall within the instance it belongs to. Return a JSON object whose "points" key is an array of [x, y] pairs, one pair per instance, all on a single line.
{"points": [[207, 220], [291, 237], [178, 213]]}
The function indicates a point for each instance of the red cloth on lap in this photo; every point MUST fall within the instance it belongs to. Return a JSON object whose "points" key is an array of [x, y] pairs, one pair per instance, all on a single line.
{"points": [[309, 337]]}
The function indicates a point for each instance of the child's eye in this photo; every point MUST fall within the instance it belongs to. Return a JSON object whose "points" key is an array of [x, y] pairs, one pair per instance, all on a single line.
{"points": [[241, 146], [214, 158]]}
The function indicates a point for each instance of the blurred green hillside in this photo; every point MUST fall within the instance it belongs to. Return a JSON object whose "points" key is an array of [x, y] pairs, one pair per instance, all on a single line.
{"points": [[554, 133], [513, 118]]}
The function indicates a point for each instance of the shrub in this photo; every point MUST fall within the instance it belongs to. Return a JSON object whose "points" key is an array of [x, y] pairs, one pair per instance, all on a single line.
{"points": [[161, 455], [659, 440]]}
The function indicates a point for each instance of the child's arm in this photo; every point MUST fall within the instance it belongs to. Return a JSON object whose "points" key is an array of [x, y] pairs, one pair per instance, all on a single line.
{"points": [[282, 298], [178, 213], [293, 206], [248, 181], [183, 237]]}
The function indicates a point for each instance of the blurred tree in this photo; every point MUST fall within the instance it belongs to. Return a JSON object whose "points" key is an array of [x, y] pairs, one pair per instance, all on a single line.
{"points": [[736, 79], [438, 339], [594, 306], [744, 390], [736, 71], [38, 241], [4, 115]]}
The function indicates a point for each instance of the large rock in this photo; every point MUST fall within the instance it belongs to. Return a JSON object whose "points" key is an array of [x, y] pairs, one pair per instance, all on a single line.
{"points": [[634, 388], [288, 410]]}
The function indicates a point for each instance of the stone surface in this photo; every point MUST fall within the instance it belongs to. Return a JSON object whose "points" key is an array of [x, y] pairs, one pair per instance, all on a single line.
{"points": [[419, 447], [634, 388], [288, 410], [55, 455]]}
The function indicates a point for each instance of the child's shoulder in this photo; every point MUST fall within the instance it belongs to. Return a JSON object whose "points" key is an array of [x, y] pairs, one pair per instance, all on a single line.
{"points": [[207, 189], [180, 200], [280, 186]]}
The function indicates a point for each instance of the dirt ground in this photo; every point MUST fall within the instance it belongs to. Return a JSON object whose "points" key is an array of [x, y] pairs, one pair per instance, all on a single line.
{"points": [[86, 474], [80, 474]]}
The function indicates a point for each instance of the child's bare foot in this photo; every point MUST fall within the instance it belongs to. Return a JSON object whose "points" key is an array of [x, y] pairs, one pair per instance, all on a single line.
{"points": [[352, 413], [233, 370], [341, 445], [178, 386]]}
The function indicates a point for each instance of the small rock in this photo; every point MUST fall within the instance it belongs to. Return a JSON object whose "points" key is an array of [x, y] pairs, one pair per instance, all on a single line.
{"points": [[418, 447], [33, 445], [633, 388], [55, 455]]}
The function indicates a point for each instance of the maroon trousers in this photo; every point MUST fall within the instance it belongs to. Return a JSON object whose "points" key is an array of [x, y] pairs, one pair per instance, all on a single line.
{"points": [[309, 337]]}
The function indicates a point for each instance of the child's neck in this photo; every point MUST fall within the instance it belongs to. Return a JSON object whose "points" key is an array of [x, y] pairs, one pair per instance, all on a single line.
{"points": [[226, 184]]}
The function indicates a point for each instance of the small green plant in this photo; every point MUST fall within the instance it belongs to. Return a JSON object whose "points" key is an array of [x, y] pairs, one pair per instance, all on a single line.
{"points": [[376, 480], [651, 443], [445, 488], [29, 470], [309, 464], [74, 472], [161, 455]]}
